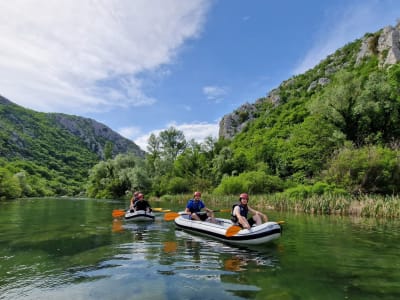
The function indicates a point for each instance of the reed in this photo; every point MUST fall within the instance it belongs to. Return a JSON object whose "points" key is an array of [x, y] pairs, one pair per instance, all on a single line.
{"points": [[361, 206]]}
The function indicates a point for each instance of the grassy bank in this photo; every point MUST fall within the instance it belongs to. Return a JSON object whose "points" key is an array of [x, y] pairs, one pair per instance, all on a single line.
{"points": [[363, 206]]}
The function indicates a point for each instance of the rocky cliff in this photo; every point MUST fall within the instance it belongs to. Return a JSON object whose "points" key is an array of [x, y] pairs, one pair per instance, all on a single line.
{"points": [[384, 44], [95, 135]]}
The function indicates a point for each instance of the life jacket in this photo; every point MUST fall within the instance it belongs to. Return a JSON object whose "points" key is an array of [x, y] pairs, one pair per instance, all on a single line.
{"points": [[141, 204], [242, 209], [195, 206]]}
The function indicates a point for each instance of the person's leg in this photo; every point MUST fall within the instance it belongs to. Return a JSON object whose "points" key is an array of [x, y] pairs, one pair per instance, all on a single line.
{"points": [[251, 221], [195, 217], [245, 223]]}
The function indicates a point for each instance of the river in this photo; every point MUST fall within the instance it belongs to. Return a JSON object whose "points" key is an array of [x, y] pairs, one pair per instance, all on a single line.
{"points": [[74, 249]]}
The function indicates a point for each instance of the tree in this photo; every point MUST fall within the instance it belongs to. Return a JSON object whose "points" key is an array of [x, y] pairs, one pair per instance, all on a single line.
{"points": [[172, 143], [339, 104], [113, 178], [108, 148]]}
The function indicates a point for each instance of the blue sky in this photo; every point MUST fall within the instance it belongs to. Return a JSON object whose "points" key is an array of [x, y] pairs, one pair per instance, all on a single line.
{"points": [[141, 66]]}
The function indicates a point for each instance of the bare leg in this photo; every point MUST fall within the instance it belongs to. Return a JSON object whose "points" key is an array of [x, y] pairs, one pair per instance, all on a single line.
{"points": [[244, 223], [257, 219], [195, 217]]}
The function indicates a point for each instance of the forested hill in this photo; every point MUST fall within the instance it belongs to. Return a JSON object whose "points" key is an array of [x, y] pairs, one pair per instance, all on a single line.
{"points": [[55, 147], [375, 50], [336, 125]]}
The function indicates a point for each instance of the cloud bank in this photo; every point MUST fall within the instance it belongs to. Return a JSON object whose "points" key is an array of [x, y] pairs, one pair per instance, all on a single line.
{"points": [[85, 56]]}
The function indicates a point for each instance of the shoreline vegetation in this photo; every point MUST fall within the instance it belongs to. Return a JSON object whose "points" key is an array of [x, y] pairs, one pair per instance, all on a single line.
{"points": [[368, 206]]}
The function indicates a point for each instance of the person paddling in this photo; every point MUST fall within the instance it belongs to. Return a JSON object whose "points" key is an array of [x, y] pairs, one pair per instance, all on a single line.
{"points": [[240, 211], [142, 204], [194, 207]]}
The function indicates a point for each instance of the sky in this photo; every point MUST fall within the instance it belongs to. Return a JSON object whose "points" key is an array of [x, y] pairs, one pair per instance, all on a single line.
{"points": [[142, 66]]}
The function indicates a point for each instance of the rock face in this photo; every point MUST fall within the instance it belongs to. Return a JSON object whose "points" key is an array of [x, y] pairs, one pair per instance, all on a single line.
{"points": [[235, 122], [94, 134], [384, 44]]}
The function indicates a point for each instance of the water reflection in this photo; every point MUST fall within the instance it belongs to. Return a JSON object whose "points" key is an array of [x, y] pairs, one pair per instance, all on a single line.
{"points": [[59, 249], [232, 258]]}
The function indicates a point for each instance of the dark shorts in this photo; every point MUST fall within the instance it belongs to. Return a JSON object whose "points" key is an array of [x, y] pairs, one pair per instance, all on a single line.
{"points": [[202, 215], [250, 220]]}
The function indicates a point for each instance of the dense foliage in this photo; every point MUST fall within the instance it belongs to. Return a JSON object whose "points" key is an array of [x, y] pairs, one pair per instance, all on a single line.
{"points": [[339, 139], [37, 157]]}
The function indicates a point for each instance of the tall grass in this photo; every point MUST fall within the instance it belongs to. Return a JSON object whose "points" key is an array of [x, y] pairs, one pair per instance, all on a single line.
{"points": [[361, 206]]}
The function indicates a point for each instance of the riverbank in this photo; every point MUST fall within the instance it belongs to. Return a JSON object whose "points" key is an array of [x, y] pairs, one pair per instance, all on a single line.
{"points": [[362, 206]]}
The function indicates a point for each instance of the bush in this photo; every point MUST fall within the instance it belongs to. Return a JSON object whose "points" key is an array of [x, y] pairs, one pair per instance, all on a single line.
{"points": [[178, 185], [371, 169], [255, 182]]}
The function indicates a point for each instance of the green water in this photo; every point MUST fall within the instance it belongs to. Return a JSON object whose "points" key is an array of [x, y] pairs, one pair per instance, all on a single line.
{"points": [[73, 249]]}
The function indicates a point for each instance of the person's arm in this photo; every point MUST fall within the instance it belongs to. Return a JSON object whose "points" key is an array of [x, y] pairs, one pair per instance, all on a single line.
{"points": [[131, 205], [187, 209], [242, 220], [148, 206]]}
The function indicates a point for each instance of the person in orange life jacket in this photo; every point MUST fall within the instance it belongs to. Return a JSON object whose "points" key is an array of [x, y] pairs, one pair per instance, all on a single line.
{"points": [[142, 204], [240, 211], [194, 207], [133, 200]]}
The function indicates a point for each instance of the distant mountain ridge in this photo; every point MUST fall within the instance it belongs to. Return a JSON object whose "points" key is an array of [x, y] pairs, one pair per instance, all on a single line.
{"points": [[91, 133], [384, 45]]}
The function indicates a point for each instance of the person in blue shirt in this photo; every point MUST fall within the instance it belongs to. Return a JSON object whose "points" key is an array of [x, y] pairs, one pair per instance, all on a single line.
{"points": [[194, 207], [240, 211]]}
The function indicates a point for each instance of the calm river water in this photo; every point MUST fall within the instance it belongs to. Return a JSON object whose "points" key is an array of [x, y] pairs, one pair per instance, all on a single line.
{"points": [[73, 249]]}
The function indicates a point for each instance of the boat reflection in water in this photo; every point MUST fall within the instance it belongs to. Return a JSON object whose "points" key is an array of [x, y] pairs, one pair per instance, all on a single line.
{"points": [[215, 254]]}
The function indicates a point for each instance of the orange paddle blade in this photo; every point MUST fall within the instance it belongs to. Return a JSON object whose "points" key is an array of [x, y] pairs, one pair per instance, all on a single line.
{"points": [[231, 231], [118, 213], [169, 216]]}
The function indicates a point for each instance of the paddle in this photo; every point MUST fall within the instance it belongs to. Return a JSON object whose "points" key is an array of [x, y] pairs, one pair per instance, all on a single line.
{"points": [[169, 216], [118, 213], [159, 209], [234, 229]]}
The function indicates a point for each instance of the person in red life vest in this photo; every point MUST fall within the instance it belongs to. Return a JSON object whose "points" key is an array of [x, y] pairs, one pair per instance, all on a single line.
{"points": [[240, 211], [194, 207]]}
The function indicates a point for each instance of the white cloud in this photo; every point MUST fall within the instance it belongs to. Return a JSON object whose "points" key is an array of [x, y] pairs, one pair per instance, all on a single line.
{"points": [[70, 55], [196, 131], [215, 93], [129, 132], [340, 28]]}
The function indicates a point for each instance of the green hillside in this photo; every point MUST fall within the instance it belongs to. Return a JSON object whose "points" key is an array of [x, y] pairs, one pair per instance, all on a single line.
{"points": [[338, 123], [45, 155]]}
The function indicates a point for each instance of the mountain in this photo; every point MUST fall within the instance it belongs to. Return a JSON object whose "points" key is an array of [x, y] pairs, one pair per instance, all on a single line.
{"points": [[383, 45], [23, 126], [55, 145], [336, 126]]}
